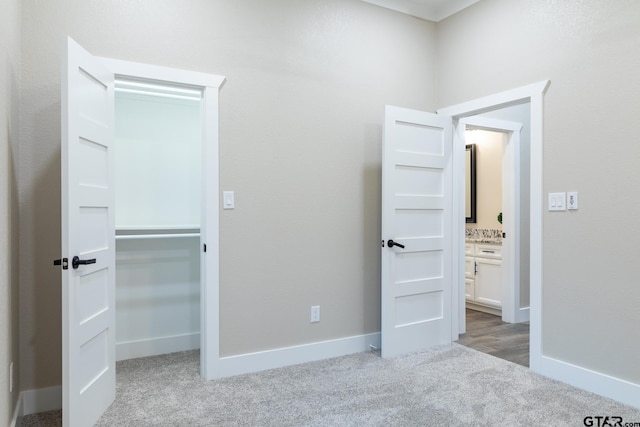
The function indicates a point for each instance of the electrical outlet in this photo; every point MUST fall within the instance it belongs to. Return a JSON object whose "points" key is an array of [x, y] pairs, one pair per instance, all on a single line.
{"points": [[11, 377], [315, 313]]}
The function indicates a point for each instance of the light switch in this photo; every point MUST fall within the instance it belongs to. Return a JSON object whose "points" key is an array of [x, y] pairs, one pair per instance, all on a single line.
{"points": [[228, 200], [572, 200], [557, 201]]}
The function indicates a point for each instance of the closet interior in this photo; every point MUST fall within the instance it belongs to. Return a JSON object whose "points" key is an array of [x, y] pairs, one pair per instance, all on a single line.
{"points": [[158, 176]]}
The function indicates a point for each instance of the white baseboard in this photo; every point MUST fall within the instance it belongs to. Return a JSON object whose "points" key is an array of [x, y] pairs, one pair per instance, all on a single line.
{"points": [[280, 357], [41, 400], [586, 379], [18, 411], [157, 346], [50, 398], [483, 308]]}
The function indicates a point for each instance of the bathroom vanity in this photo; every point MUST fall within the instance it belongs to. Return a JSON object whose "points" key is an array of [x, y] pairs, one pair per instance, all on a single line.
{"points": [[483, 276]]}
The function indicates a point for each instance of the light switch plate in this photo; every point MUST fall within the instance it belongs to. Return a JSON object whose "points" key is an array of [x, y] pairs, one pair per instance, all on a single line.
{"points": [[557, 201], [228, 200]]}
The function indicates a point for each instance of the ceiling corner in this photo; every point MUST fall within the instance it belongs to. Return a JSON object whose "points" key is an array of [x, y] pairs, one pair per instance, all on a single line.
{"points": [[431, 10]]}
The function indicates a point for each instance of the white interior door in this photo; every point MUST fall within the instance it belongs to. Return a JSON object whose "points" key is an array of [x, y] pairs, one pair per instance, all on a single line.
{"points": [[88, 290], [417, 209]]}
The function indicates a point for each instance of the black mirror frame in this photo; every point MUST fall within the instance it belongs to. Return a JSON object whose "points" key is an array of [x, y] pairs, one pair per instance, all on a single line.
{"points": [[472, 172]]}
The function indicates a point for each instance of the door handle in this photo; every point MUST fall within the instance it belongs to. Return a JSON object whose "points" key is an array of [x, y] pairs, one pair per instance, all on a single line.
{"points": [[76, 262], [391, 243]]}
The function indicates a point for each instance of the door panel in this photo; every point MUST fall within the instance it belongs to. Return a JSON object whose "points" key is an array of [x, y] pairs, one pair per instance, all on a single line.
{"points": [[416, 213], [88, 291]]}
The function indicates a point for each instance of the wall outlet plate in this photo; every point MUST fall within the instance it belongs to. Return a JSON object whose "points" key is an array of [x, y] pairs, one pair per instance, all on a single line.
{"points": [[315, 313]]}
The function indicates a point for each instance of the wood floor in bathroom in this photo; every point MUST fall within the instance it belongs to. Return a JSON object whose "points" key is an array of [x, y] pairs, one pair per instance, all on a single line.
{"points": [[489, 334]]}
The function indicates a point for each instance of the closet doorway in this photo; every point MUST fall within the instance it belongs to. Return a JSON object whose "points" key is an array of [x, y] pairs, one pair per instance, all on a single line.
{"points": [[88, 220], [158, 175], [166, 140]]}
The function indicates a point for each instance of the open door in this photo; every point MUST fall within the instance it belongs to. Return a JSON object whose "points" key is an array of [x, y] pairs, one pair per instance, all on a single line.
{"points": [[88, 239], [417, 209]]}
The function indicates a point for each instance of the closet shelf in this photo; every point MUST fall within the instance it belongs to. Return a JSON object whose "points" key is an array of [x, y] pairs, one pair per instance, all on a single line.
{"points": [[152, 228], [155, 236], [157, 232]]}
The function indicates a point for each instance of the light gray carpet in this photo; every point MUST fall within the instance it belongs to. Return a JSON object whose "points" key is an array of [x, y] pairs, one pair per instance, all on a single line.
{"points": [[446, 386]]}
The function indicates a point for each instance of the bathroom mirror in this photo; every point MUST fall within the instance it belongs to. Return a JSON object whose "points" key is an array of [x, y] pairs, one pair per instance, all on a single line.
{"points": [[470, 183]]}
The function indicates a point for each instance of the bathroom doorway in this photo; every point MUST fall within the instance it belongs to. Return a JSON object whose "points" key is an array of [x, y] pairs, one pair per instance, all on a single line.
{"points": [[496, 288], [502, 105], [500, 242]]}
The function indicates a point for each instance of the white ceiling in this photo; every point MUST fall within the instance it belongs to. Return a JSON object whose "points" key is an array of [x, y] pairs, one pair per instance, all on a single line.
{"points": [[432, 10]]}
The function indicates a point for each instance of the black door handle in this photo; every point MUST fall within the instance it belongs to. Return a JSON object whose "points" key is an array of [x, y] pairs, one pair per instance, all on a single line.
{"points": [[76, 262], [391, 244]]}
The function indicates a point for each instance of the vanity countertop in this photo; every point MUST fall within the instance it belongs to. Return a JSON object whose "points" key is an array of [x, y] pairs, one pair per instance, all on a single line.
{"points": [[483, 235], [487, 240]]}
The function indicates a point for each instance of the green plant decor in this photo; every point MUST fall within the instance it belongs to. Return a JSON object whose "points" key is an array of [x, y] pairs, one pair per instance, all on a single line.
{"points": [[500, 217]]}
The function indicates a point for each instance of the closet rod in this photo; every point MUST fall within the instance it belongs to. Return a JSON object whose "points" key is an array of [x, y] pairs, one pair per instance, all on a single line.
{"points": [[155, 236]]}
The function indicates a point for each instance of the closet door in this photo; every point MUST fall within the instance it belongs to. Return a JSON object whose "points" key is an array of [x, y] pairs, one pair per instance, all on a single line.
{"points": [[88, 279]]}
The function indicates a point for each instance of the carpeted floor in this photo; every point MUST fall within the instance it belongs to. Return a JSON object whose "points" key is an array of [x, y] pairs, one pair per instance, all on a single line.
{"points": [[449, 385]]}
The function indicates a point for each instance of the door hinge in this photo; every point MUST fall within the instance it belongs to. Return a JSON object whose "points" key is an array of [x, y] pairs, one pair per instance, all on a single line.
{"points": [[64, 262], [205, 247]]}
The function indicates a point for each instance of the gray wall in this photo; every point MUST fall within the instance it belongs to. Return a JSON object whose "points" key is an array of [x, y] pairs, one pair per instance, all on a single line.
{"points": [[9, 94], [300, 144], [589, 51], [301, 118]]}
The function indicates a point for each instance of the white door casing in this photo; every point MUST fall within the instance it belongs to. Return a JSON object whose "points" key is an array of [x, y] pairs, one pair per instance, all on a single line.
{"points": [[88, 231], [210, 85], [417, 280], [533, 94]]}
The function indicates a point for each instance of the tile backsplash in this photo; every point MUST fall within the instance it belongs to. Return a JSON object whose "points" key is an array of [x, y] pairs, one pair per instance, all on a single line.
{"points": [[483, 234]]}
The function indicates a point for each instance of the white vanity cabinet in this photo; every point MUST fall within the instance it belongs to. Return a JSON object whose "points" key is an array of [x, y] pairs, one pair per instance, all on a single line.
{"points": [[469, 272], [483, 275]]}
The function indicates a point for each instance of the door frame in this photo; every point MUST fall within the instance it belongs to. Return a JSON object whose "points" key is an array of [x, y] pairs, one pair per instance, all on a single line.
{"points": [[210, 85], [533, 94], [511, 311]]}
